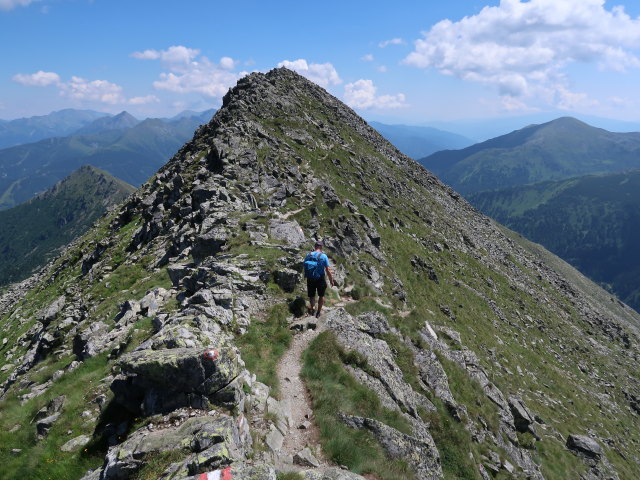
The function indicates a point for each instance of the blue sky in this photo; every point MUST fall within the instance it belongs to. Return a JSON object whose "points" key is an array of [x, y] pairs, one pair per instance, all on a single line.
{"points": [[402, 62]]}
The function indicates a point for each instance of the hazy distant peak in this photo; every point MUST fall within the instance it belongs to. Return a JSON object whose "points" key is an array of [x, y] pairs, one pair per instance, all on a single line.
{"points": [[121, 121]]}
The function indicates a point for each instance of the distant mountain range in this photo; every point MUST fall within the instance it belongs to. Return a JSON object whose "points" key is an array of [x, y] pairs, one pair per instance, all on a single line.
{"points": [[592, 222], [34, 231], [55, 124], [418, 142], [481, 129], [556, 150], [128, 149]]}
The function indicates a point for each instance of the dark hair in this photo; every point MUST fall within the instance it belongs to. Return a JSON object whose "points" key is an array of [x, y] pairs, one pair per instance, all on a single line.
{"points": [[319, 244]]}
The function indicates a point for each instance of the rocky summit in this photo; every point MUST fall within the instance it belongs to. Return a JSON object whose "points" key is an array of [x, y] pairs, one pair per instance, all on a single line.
{"points": [[172, 342]]}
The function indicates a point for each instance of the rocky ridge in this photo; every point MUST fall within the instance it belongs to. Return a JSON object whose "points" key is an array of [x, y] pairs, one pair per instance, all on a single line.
{"points": [[492, 364]]}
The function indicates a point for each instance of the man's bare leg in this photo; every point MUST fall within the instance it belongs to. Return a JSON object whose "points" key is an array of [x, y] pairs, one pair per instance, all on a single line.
{"points": [[320, 304], [312, 301]]}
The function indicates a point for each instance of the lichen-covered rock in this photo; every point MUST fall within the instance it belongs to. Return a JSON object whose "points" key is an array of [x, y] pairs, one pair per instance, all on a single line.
{"points": [[330, 473], [161, 380], [207, 442], [421, 454]]}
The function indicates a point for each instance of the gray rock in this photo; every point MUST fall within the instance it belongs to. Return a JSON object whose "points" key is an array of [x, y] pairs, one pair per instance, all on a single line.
{"points": [[305, 458], [287, 231], [585, 446], [75, 443], [162, 380], [274, 439], [287, 279], [44, 425], [330, 473], [421, 454], [523, 418], [51, 312]]}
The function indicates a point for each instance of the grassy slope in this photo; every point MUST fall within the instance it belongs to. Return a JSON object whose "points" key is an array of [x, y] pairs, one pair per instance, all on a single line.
{"points": [[592, 222], [33, 231]]}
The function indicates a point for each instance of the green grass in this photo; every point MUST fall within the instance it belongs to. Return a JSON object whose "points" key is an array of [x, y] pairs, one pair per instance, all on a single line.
{"points": [[289, 476], [155, 464], [43, 458], [265, 341], [334, 390]]}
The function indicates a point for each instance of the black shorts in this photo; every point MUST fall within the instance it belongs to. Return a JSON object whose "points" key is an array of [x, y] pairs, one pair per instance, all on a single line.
{"points": [[319, 284]]}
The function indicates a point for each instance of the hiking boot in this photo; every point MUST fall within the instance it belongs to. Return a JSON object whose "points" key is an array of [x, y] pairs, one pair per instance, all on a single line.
{"points": [[318, 314], [310, 311]]}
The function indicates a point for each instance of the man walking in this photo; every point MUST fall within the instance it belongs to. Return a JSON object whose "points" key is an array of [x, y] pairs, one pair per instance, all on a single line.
{"points": [[316, 264]]}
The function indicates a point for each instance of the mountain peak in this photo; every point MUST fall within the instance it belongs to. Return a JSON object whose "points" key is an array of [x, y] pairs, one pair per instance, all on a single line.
{"points": [[121, 121]]}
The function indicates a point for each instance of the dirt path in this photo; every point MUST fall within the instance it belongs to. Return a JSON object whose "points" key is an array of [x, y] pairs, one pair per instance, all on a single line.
{"points": [[293, 391]]}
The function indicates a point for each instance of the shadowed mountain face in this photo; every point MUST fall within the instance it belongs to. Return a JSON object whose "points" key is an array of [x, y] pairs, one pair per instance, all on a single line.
{"points": [[131, 153], [56, 124], [33, 232], [556, 150], [451, 349], [592, 222]]}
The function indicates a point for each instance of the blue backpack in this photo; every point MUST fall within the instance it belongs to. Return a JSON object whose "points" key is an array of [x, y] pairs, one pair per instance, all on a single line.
{"points": [[313, 267]]}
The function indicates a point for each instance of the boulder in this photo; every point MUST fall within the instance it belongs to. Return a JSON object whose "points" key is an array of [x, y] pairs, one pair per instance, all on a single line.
{"points": [[331, 473], [421, 454], [523, 419], [208, 443], [210, 243], [287, 231], [585, 446], [44, 425], [287, 279], [75, 443], [305, 458], [161, 380]]}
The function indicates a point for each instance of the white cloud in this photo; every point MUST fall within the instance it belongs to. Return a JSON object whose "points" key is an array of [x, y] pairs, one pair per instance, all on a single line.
{"points": [[367, 58], [189, 72], [227, 63], [362, 94], [97, 90], [381, 68], [144, 100], [77, 88], [324, 74], [38, 79], [393, 41], [11, 4], [523, 47], [173, 57]]}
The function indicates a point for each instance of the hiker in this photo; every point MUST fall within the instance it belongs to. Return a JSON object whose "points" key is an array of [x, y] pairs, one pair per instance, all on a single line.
{"points": [[316, 264]]}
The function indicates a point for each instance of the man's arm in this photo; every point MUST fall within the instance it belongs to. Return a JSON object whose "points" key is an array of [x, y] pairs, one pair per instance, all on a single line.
{"points": [[329, 274]]}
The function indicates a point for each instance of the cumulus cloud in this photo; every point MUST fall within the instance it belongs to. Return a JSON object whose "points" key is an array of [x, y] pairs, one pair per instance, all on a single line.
{"points": [[188, 71], [11, 4], [97, 90], [38, 79], [324, 74], [523, 47], [173, 56], [367, 58], [79, 88], [362, 94], [393, 41]]}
